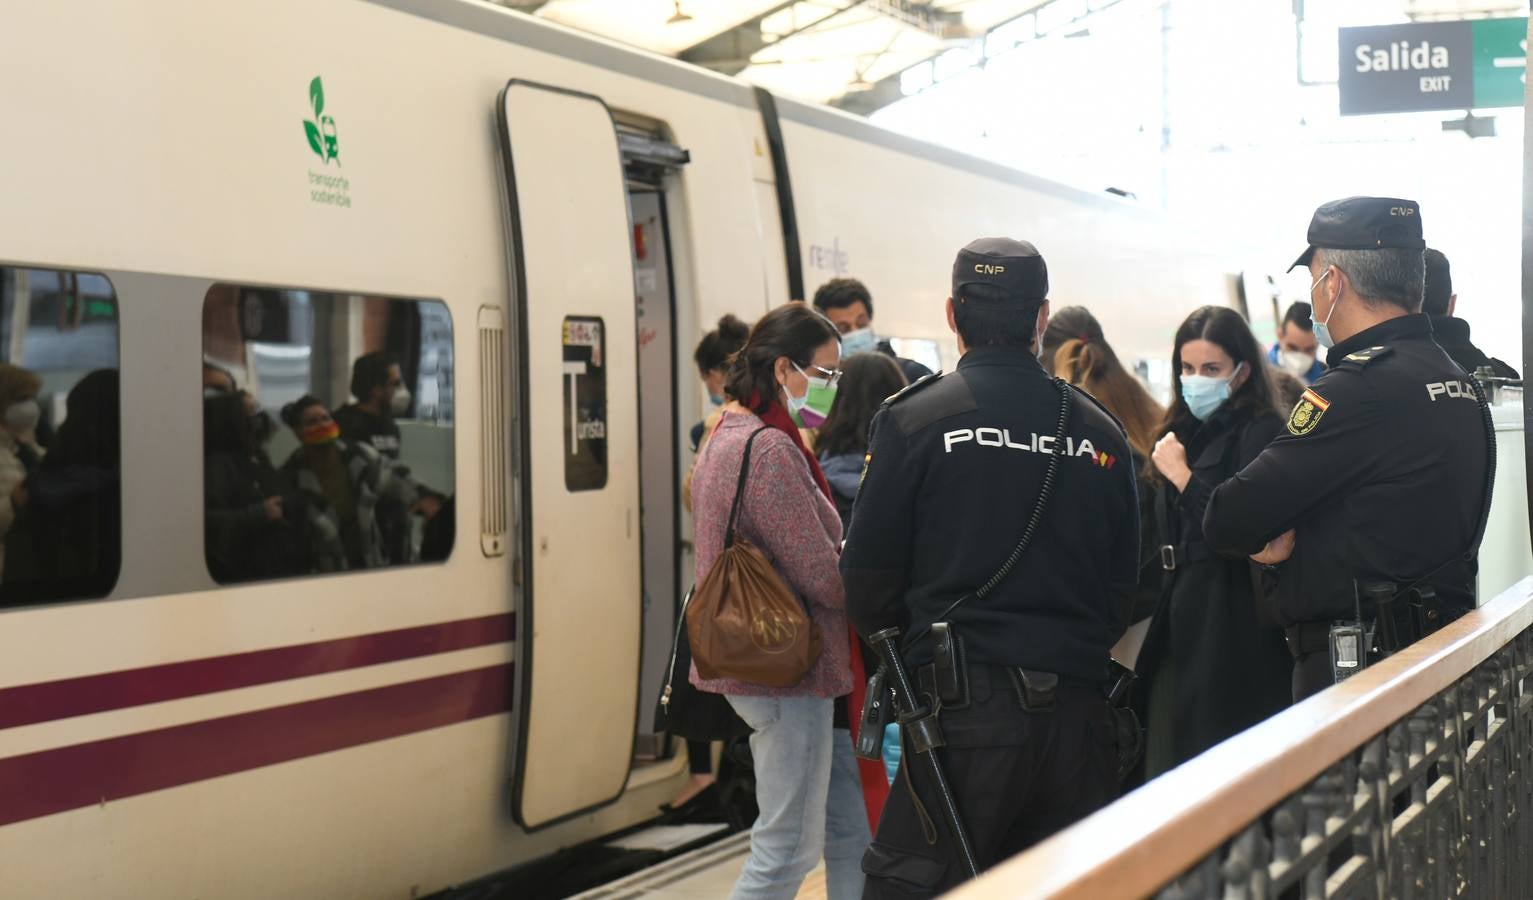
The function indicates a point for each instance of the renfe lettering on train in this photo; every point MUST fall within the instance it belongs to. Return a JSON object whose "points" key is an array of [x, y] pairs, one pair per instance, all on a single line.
{"points": [[1400, 56]]}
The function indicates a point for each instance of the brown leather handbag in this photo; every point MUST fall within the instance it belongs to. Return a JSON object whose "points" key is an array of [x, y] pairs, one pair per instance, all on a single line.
{"points": [[744, 623]]}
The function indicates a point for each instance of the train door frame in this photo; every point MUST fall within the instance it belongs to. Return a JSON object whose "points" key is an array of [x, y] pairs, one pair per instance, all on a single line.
{"points": [[578, 627], [651, 166]]}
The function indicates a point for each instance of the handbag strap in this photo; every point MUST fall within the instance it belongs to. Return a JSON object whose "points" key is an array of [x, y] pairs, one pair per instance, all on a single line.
{"points": [[745, 468]]}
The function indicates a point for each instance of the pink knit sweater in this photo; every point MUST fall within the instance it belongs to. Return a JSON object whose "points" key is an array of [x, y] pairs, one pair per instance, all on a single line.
{"points": [[784, 514]]}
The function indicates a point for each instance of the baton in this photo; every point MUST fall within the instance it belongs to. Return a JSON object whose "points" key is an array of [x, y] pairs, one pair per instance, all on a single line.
{"points": [[925, 735]]}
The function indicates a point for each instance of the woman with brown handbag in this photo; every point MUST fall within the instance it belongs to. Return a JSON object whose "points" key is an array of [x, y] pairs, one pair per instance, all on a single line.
{"points": [[784, 378]]}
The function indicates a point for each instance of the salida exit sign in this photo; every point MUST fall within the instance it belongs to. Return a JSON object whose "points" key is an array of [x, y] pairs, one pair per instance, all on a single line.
{"points": [[1433, 65]]}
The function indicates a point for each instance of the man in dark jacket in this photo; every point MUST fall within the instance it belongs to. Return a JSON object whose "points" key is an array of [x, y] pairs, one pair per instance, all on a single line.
{"points": [[848, 305], [954, 463], [1451, 332], [1381, 474]]}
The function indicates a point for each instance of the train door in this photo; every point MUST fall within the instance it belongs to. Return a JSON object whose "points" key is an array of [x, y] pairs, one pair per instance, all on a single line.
{"points": [[575, 449], [650, 165]]}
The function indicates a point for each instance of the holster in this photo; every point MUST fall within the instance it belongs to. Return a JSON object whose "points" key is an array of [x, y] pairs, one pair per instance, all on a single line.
{"points": [[877, 710], [1129, 732]]}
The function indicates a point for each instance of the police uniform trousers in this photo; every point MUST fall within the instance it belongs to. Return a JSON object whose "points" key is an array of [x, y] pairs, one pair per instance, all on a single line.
{"points": [[1018, 777]]}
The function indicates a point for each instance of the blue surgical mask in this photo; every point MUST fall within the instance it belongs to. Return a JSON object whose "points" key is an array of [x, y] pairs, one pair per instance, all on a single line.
{"points": [[716, 400], [1205, 394], [1322, 329], [860, 341]]}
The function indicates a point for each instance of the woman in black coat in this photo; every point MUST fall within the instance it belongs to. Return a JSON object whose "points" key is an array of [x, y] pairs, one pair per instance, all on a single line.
{"points": [[1214, 663], [252, 524]]}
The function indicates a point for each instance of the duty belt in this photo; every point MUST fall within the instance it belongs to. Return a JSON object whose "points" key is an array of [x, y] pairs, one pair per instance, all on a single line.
{"points": [[1174, 556], [1034, 690]]}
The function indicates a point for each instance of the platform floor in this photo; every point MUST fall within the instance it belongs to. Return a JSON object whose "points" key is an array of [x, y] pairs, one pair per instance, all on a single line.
{"points": [[707, 873]]}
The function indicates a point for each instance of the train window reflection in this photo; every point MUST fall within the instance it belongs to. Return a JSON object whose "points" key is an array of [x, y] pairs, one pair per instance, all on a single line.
{"points": [[327, 432], [60, 462]]}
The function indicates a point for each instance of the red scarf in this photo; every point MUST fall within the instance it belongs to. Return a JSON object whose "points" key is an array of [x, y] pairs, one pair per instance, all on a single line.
{"points": [[875, 782]]}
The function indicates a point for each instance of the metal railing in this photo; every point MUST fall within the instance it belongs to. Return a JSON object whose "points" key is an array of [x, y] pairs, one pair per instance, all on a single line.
{"points": [[1412, 779]]}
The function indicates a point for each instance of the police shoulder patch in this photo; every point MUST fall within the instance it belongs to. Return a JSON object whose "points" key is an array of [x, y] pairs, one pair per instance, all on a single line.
{"points": [[1307, 412], [909, 390], [1363, 357]]}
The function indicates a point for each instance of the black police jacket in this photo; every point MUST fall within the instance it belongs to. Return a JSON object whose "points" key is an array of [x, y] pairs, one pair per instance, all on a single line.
{"points": [[1380, 471], [955, 464], [1452, 334]]}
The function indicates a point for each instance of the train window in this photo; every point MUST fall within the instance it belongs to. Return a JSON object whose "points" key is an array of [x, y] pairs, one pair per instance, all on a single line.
{"points": [[585, 404], [327, 432], [60, 466]]}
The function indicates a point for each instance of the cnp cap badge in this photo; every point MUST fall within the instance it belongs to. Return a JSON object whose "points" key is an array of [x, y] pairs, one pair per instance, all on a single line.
{"points": [[1306, 413]]}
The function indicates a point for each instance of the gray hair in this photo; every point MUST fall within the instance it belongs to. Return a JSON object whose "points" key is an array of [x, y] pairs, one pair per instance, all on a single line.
{"points": [[1387, 275]]}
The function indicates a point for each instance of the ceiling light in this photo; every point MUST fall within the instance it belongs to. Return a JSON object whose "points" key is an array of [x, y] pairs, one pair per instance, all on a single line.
{"points": [[679, 17]]}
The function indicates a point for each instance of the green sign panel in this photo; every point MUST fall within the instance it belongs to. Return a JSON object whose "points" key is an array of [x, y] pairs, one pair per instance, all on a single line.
{"points": [[1500, 61]]}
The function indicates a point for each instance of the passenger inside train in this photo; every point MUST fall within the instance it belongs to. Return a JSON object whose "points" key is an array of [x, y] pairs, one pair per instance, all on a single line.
{"points": [[330, 492], [59, 455]]}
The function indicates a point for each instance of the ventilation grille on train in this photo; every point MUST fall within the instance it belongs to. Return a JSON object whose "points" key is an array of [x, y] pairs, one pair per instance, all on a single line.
{"points": [[492, 431]]}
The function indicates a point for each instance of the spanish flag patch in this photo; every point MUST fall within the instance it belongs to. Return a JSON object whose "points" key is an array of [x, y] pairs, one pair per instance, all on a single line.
{"points": [[1307, 412]]}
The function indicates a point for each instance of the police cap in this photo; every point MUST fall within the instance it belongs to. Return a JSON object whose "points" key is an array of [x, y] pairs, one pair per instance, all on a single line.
{"points": [[1364, 223], [1015, 267]]}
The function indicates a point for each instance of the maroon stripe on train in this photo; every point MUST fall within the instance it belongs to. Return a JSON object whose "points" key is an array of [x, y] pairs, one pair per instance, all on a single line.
{"points": [[53, 781], [46, 701]]}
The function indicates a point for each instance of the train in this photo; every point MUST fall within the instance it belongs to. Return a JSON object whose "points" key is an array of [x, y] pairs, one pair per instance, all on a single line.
{"points": [[538, 225]]}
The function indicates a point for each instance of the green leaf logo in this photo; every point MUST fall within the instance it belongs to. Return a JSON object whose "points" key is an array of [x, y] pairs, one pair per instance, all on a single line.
{"points": [[313, 132], [321, 131]]}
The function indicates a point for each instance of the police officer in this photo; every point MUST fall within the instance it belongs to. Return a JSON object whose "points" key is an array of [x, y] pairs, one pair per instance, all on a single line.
{"points": [[1381, 474], [955, 468]]}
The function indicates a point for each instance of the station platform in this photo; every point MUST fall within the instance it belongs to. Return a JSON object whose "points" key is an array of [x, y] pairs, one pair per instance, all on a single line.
{"points": [[706, 873]]}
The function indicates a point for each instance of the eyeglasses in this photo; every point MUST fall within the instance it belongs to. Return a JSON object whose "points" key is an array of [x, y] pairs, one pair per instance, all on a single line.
{"points": [[830, 375]]}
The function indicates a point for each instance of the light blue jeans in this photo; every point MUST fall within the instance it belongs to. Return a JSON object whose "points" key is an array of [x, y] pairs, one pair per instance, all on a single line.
{"points": [[847, 834], [795, 753]]}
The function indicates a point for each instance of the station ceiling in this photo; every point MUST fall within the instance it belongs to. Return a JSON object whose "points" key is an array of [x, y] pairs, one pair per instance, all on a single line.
{"points": [[852, 53], [846, 52]]}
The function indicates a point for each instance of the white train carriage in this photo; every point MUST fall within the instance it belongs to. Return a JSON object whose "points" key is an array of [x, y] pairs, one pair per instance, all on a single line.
{"points": [[538, 225]]}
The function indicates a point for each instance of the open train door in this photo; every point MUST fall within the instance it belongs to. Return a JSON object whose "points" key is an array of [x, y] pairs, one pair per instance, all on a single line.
{"points": [[576, 452]]}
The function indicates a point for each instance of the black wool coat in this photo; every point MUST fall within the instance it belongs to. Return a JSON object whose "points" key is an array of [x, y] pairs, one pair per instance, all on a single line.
{"points": [[1227, 657]]}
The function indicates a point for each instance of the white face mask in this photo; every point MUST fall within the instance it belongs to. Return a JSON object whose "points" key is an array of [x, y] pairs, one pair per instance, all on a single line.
{"points": [[1295, 362], [1323, 329], [399, 404], [23, 417]]}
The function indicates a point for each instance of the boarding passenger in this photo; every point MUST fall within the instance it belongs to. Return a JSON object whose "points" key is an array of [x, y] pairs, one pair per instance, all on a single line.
{"points": [[785, 376], [1077, 351], [867, 380], [846, 302], [253, 521], [957, 466], [20, 452], [1380, 479], [1451, 332], [712, 357], [1211, 666], [1296, 347], [346, 486], [69, 509]]}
